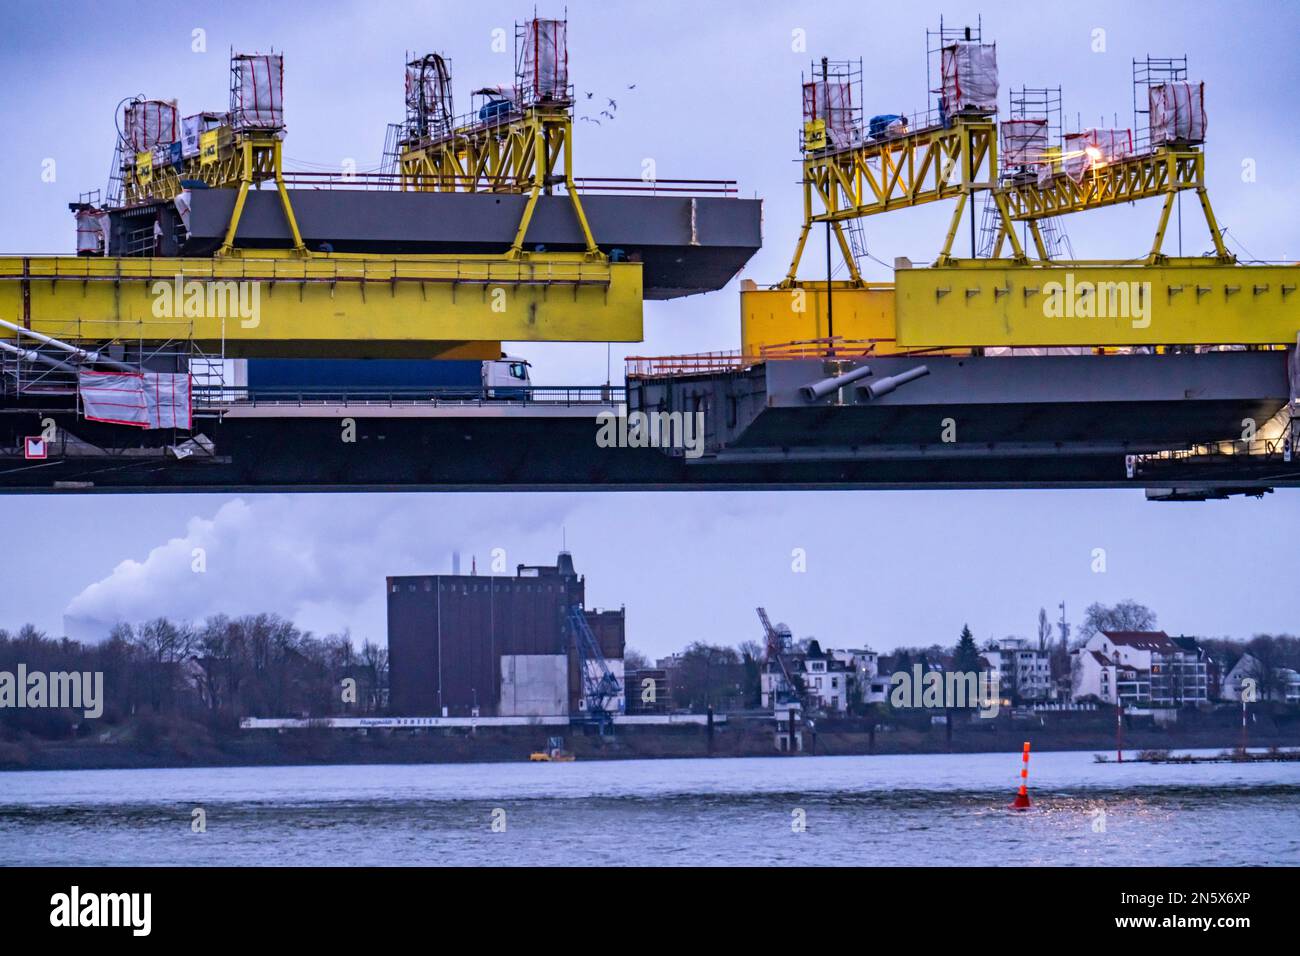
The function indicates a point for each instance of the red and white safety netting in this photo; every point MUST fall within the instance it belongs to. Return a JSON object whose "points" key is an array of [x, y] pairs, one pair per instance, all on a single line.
{"points": [[1023, 142], [142, 399], [831, 101], [970, 76], [1177, 113], [257, 99], [543, 65], [1094, 148], [150, 123]]}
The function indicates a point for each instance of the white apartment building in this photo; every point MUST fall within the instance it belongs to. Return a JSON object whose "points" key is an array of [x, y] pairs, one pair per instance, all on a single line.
{"points": [[1025, 671], [1141, 669]]}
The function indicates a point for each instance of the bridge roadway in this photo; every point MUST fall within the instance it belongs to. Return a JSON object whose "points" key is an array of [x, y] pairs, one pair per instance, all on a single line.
{"points": [[1153, 422]]}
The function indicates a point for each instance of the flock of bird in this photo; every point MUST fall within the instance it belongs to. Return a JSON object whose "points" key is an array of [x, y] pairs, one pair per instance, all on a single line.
{"points": [[608, 112]]}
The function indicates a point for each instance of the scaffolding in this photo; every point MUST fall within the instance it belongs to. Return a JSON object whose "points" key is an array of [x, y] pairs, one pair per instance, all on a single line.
{"points": [[1148, 72], [948, 151], [46, 372], [430, 107], [832, 105], [514, 140], [1033, 138], [936, 41]]}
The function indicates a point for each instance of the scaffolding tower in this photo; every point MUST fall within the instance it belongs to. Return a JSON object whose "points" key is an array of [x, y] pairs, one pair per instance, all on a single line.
{"points": [[1039, 105], [1148, 72], [936, 41]]}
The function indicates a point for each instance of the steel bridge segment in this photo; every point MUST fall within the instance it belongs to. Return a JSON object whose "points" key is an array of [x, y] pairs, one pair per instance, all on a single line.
{"points": [[1023, 422], [686, 245]]}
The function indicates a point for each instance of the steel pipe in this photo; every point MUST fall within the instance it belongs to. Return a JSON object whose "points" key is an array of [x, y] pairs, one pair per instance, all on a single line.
{"points": [[819, 390], [886, 385]]}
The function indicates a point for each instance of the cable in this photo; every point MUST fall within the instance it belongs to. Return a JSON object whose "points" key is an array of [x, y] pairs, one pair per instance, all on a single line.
{"points": [[1237, 242]]}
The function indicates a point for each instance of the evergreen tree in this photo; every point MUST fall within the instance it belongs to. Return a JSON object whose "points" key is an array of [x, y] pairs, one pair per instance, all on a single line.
{"points": [[966, 656]]}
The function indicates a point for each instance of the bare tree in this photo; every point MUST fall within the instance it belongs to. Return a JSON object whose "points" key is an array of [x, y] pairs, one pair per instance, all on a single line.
{"points": [[1127, 615], [1044, 629]]}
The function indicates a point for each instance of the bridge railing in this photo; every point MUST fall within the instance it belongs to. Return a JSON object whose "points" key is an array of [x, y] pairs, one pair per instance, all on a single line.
{"points": [[323, 179], [734, 360], [220, 397]]}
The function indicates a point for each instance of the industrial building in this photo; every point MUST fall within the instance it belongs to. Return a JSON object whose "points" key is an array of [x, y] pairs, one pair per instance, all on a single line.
{"points": [[471, 645]]}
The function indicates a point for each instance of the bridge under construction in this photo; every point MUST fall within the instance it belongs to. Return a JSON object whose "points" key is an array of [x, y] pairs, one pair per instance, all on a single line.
{"points": [[1018, 365]]}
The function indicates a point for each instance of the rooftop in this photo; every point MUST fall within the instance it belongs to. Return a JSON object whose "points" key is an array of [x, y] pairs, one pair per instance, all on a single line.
{"points": [[1142, 640]]}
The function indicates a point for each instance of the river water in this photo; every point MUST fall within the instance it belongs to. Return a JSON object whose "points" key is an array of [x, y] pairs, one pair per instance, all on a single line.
{"points": [[875, 811]]}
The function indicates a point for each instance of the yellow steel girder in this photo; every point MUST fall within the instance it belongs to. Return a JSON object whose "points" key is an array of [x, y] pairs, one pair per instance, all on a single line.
{"points": [[1179, 302], [1166, 171], [276, 302], [222, 170], [525, 152], [771, 317], [911, 170], [490, 157], [1136, 177], [237, 160], [914, 169]]}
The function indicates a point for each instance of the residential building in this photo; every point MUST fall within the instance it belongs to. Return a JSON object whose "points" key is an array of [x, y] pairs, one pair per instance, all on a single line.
{"points": [[1141, 669], [1109, 681], [862, 666], [1285, 685], [826, 679], [1024, 671], [830, 678]]}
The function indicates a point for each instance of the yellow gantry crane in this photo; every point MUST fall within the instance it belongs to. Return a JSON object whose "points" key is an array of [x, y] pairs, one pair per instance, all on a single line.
{"points": [[517, 141], [900, 171], [321, 302], [854, 169]]}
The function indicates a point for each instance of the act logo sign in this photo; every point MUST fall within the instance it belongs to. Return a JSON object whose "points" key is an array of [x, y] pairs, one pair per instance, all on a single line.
{"points": [[35, 447]]}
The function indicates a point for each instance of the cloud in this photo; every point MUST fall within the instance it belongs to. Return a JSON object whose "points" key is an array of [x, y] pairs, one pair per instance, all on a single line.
{"points": [[320, 560]]}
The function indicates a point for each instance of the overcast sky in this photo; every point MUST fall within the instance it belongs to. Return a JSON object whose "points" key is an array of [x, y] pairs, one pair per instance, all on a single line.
{"points": [[716, 96]]}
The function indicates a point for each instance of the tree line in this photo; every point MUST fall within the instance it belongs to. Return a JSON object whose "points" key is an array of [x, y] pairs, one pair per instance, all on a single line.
{"points": [[219, 671], [728, 678]]}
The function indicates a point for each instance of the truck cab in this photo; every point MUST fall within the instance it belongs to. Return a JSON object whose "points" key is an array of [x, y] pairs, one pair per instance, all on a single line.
{"points": [[506, 377]]}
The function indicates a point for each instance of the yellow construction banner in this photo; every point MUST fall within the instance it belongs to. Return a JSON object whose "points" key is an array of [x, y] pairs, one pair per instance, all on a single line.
{"points": [[144, 168], [208, 146]]}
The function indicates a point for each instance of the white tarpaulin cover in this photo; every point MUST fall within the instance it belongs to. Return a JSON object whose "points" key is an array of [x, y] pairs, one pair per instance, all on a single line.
{"points": [[92, 232], [192, 130], [1023, 142], [142, 399], [1094, 148], [544, 61], [970, 76], [831, 101], [1177, 113], [257, 100], [150, 123], [182, 202]]}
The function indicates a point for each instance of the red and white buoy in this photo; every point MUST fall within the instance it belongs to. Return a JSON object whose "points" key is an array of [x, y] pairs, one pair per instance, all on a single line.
{"points": [[1022, 795]]}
